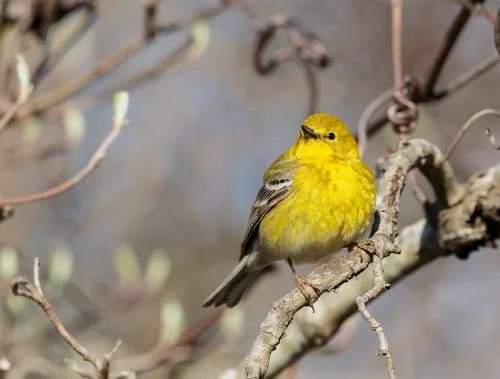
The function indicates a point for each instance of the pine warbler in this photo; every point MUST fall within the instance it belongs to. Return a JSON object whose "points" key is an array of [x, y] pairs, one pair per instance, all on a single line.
{"points": [[317, 197]]}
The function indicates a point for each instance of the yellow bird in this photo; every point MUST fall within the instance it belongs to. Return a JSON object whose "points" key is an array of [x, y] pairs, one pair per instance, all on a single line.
{"points": [[317, 197]]}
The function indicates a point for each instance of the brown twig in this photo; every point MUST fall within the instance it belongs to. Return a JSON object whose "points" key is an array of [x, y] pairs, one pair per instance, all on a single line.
{"points": [[22, 287], [181, 55], [397, 58], [469, 76], [180, 352], [443, 52], [49, 60], [403, 113], [25, 90], [380, 286], [470, 121], [376, 104], [92, 164], [112, 62], [425, 92], [304, 48], [150, 18]]}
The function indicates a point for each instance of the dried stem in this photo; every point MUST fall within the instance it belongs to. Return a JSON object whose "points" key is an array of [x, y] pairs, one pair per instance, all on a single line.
{"points": [[111, 62], [304, 48], [22, 287], [426, 92], [92, 164], [397, 59], [371, 108], [49, 60], [476, 116], [449, 41], [11, 113], [380, 286], [470, 75]]}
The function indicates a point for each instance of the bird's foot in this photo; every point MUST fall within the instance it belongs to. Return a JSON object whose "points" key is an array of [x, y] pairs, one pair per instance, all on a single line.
{"points": [[308, 290], [365, 245]]}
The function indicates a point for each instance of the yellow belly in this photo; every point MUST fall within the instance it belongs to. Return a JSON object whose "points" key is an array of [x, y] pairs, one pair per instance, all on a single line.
{"points": [[332, 206]]}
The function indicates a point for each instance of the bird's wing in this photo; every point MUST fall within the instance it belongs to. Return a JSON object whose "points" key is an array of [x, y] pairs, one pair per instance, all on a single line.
{"points": [[278, 181]]}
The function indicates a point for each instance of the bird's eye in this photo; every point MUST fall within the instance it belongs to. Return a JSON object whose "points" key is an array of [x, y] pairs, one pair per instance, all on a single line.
{"points": [[331, 136]]}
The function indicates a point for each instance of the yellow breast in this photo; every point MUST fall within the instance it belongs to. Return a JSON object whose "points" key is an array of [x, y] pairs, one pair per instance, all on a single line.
{"points": [[329, 206]]}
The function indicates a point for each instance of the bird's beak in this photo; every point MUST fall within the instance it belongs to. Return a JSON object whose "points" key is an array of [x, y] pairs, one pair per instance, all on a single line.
{"points": [[308, 132]]}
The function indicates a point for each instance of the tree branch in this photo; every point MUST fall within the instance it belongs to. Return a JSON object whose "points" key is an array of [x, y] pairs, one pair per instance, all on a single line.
{"points": [[92, 164], [22, 287], [330, 276]]}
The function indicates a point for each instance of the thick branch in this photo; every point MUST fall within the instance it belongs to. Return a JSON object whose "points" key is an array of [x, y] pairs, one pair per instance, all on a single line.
{"points": [[329, 277], [420, 243]]}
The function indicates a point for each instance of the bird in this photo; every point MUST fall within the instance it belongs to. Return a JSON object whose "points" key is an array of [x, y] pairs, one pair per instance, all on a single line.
{"points": [[316, 198]]}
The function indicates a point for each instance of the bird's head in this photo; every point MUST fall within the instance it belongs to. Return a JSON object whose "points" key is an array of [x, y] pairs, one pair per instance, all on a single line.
{"points": [[325, 134]]}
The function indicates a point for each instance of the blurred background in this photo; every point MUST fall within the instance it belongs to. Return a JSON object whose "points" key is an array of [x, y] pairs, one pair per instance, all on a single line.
{"points": [[175, 189]]}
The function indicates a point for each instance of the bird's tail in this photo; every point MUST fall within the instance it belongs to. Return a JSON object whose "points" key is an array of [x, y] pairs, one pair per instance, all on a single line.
{"points": [[232, 288]]}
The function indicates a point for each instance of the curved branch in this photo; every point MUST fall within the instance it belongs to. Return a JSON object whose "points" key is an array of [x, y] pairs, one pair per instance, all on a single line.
{"points": [[341, 269], [421, 243]]}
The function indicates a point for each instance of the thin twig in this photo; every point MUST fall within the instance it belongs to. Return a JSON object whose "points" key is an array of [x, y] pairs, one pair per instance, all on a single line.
{"points": [[371, 108], [476, 116], [492, 139], [111, 62], [380, 286], [36, 275], [451, 37], [303, 48], [92, 164], [477, 8], [49, 60], [11, 113], [470, 75], [397, 59], [160, 355], [178, 57], [22, 287], [150, 18]]}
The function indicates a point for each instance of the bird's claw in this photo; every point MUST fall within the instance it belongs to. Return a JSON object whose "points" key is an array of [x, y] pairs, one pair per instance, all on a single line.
{"points": [[308, 290]]}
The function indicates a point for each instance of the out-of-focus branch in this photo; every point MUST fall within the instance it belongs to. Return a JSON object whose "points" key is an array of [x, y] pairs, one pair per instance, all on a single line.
{"points": [[48, 60], [469, 76], [444, 50], [329, 277], [396, 31], [424, 92], [185, 53], [180, 352], [22, 287], [374, 106], [304, 47], [115, 59], [118, 122], [25, 90], [470, 121]]}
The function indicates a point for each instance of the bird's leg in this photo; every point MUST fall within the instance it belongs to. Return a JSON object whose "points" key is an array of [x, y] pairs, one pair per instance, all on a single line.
{"points": [[306, 288]]}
